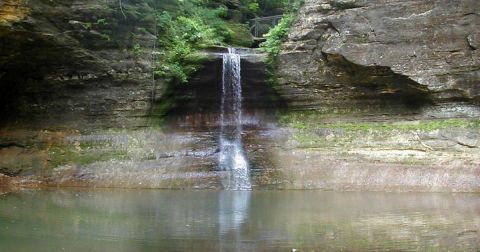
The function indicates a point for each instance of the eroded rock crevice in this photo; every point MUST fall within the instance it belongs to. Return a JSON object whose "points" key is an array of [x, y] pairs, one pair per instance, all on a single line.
{"points": [[379, 82]]}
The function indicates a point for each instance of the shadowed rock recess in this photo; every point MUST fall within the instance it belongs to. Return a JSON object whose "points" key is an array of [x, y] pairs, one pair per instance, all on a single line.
{"points": [[370, 95]]}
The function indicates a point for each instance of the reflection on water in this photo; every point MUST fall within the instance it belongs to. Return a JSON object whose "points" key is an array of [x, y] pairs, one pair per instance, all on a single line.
{"points": [[232, 210], [129, 220]]}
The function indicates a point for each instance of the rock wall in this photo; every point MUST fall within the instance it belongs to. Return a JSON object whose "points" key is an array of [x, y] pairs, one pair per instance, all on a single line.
{"points": [[197, 105], [79, 106], [382, 95], [383, 55], [72, 64], [76, 100]]}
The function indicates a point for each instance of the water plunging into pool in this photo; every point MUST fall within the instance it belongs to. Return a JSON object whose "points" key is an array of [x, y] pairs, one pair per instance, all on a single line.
{"points": [[232, 156]]}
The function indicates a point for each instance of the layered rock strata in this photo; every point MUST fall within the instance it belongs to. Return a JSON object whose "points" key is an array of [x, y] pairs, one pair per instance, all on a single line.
{"points": [[374, 55], [71, 64]]}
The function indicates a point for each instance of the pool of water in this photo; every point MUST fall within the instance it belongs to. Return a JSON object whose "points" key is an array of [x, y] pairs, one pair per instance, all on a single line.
{"points": [[154, 220]]}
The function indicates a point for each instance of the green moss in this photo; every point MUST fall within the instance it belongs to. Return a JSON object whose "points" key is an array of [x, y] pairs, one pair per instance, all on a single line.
{"points": [[67, 154], [240, 35], [161, 109], [311, 120], [87, 25], [137, 49], [102, 21], [414, 161], [105, 37], [429, 125], [312, 130], [361, 39]]}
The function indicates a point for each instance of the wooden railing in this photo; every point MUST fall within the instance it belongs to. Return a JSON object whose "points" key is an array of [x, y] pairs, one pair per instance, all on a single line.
{"points": [[260, 26]]}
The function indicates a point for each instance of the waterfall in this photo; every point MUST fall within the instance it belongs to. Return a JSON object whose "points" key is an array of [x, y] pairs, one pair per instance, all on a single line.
{"points": [[232, 156]]}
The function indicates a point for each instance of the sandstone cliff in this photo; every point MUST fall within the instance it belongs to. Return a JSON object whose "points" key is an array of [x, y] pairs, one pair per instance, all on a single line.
{"points": [[76, 100], [72, 63], [383, 55], [382, 95]]}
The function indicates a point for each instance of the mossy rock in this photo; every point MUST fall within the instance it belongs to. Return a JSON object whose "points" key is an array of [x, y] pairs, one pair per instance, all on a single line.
{"points": [[241, 36]]}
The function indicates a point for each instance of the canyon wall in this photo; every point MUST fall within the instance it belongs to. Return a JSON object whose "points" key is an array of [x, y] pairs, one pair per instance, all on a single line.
{"points": [[72, 64], [373, 95], [384, 56], [382, 95]]}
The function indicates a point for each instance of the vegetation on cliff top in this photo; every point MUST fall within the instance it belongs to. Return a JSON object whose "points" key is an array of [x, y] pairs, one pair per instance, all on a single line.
{"points": [[197, 24], [276, 36], [192, 27]]}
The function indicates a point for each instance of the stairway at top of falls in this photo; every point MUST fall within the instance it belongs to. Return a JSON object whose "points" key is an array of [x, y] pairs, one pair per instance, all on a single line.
{"points": [[232, 158]]}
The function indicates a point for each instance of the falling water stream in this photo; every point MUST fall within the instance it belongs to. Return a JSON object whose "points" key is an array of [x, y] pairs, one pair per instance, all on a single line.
{"points": [[232, 158]]}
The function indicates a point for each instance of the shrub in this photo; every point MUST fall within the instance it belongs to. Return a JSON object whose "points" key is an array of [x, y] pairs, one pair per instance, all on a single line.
{"points": [[102, 21], [183, 34], [279, 33], [137, 49], [198, 24], [105, 37], [276, 36]]}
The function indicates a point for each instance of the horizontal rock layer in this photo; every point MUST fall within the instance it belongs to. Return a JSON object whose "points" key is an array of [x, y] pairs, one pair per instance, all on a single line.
{"points": [[386, 56], [72, 64]]}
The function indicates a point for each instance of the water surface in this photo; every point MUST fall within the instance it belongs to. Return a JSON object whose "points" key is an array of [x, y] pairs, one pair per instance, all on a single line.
{"points": [[153, 220]]}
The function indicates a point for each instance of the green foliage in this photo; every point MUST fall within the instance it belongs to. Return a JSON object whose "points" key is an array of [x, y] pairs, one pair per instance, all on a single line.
{"points": [[105, 37], [184, 33], [137, 49], [273, 45], [279, 33], [216, 20], [276, 36], [253, 7], [87, 25], [102, 21], [197, 24], [264, 7], [241, 35]]}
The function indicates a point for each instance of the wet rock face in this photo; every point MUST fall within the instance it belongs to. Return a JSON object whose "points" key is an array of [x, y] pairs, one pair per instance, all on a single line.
{"points": [[368, 53], [72, 64], [196, 105]]}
